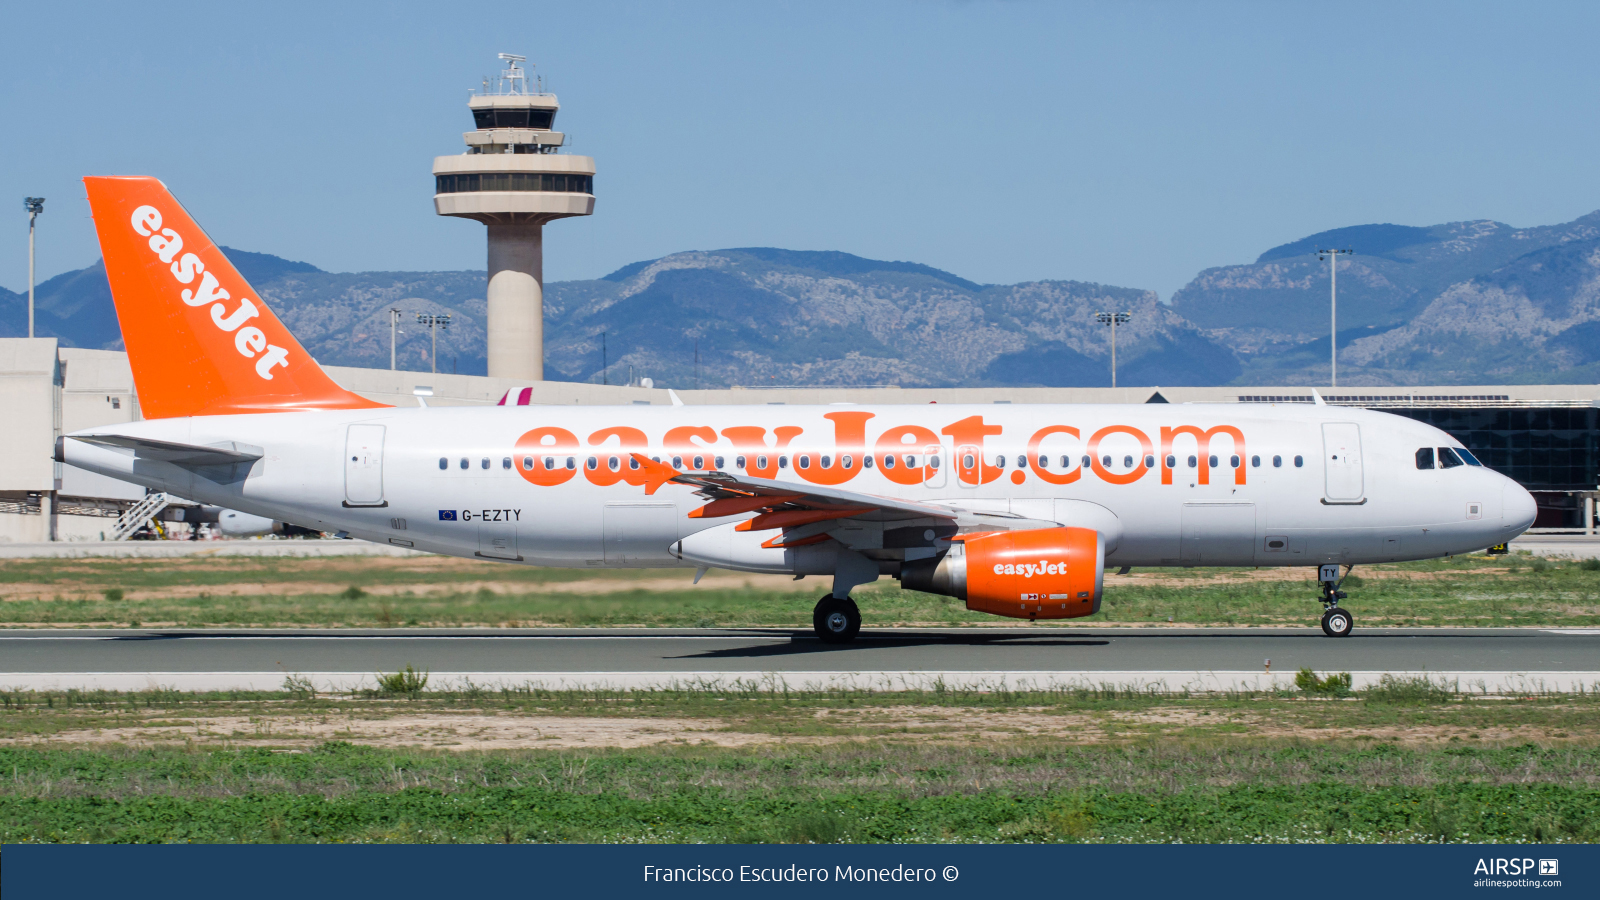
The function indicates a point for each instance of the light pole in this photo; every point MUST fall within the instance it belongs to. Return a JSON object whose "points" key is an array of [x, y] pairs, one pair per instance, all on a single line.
{"points": [[394, 318], [1113, 319], [434, 323], [1332, 256], [34, 206]]}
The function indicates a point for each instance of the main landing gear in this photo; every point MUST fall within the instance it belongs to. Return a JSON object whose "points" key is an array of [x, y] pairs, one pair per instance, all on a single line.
{"points": [[1336, 622], [836, 621]]}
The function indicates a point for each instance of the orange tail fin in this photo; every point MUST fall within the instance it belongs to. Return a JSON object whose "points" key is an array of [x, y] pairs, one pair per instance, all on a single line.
{"points": [[201, 343]]}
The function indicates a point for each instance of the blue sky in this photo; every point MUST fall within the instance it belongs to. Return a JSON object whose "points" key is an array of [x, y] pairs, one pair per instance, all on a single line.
{"points": [[1131, 143]]}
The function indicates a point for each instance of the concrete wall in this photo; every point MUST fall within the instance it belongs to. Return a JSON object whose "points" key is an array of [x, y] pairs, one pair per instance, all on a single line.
{"points": [[45, 389], [28, 370], [97, 389]]}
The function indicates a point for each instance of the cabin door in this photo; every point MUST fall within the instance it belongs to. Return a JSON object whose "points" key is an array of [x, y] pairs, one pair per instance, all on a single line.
{"points": [[1341, 460], [363, 466]]}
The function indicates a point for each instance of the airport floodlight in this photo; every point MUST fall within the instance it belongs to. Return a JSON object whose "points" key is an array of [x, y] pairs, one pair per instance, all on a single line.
{"points": [[1113, 319], [34, 206], [394, 321], [1332, 256], [434, 323]]}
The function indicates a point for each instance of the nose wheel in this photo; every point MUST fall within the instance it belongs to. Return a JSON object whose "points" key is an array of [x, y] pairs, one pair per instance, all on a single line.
{"points": [[836, 621], [1336, 622]]}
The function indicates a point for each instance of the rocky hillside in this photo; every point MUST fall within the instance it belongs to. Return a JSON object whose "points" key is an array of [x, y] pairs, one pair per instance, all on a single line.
{"points": [[1464, 302], [766, 316], [757, 315], [1274, 313], [1536, 318]]}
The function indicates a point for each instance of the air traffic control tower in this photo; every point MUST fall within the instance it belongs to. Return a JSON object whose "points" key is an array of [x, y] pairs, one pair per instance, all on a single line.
{"points": [[512, 179]]}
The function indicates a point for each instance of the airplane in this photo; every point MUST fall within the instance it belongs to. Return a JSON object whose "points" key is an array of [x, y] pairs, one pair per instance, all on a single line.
{"points": [[1018, 510]]}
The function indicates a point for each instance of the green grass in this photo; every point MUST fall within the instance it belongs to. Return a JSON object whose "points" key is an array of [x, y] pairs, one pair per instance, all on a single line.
{"points": [[1174, 768], [364, 591], [343, 793]]}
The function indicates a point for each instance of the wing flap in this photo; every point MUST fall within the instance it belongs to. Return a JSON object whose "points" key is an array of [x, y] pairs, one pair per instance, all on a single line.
{"points": [[729, 494]]}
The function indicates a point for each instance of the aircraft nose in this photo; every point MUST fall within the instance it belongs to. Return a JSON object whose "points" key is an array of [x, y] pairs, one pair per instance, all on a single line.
{"points": [[1517, 507]]}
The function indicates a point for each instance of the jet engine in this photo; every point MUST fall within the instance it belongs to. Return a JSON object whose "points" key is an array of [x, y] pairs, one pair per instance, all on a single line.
{"points": [[236, 524], [1040, 573]]}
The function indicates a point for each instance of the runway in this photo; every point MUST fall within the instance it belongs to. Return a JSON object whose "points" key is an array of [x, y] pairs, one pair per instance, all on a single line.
{"points": [[1492, 660]]}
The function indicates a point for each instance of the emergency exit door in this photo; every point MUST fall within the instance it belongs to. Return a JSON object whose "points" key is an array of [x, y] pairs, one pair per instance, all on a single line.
{"points": [[363, 466]]}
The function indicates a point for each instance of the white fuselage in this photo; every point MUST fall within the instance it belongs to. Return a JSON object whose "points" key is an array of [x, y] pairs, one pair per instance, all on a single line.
{"points": [[455, 480]]}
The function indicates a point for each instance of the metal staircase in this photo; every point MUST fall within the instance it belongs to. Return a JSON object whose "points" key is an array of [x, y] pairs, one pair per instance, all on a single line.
{"points": [[139, 516]]}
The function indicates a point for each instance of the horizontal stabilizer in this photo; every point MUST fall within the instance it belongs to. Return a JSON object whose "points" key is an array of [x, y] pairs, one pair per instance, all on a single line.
{"points": [[188, 456]]}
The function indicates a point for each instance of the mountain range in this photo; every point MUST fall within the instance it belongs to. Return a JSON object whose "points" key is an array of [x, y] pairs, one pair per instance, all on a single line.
{"points": [[1464, 302]]}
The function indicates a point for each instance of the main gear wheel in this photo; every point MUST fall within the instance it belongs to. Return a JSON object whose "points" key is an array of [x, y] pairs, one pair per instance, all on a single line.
{"points": [[836, 621]]}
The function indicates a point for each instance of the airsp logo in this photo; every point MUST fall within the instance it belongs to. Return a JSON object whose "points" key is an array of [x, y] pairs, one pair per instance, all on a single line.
{"points": [[1549, 867], [1514, 867]]}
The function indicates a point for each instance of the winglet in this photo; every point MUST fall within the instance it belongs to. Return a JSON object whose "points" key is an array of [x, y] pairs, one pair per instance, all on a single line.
{"points": [[200, 341], [1316, 396], [655, 474], [674, 395]]}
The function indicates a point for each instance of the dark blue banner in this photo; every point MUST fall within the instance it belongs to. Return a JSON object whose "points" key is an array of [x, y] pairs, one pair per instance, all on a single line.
{"points": [[312, 872]]}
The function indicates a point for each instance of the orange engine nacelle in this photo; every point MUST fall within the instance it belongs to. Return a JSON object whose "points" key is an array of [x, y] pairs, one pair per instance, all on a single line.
{"points": [[1043, 573]]}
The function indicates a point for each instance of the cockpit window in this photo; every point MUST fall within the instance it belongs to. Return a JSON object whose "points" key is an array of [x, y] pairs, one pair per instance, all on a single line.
{"points": [[1448, 458], [1425, 458], [1467, 455]]}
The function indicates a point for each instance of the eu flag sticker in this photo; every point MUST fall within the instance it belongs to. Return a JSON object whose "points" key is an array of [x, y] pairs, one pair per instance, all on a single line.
{"points": [[447, 515]]}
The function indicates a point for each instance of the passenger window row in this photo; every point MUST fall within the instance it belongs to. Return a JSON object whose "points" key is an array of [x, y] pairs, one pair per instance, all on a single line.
{"points": [[1448, 458], [698, 463]]}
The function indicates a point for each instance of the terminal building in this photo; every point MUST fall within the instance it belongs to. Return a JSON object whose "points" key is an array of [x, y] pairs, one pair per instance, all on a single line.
{"points": [[1547, 437]]}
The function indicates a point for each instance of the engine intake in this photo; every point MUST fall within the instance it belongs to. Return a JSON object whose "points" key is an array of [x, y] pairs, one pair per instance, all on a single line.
{"points": [[1041, 573]]}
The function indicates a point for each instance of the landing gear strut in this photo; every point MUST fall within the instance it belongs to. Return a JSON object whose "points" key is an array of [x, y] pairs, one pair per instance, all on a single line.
{"points": [[836, 621], [1336, 622]]}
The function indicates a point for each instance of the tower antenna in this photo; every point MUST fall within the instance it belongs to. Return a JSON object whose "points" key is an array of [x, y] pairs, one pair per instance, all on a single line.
{"points": [[513, 79]]}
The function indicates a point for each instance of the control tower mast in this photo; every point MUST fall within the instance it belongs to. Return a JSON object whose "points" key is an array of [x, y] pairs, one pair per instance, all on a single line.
{"points": [[512, 179]]}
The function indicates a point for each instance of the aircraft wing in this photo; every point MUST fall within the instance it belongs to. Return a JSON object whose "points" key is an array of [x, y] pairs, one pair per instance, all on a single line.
{"points": [[784, 504]]}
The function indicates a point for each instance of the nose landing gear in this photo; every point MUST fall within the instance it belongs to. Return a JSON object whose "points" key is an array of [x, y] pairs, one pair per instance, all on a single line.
{"points": [[836, 621], [1336, 622]]}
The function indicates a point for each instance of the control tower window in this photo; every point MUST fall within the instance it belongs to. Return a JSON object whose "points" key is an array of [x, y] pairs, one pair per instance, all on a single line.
{"points": [[515, 181], [512, 117]]}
